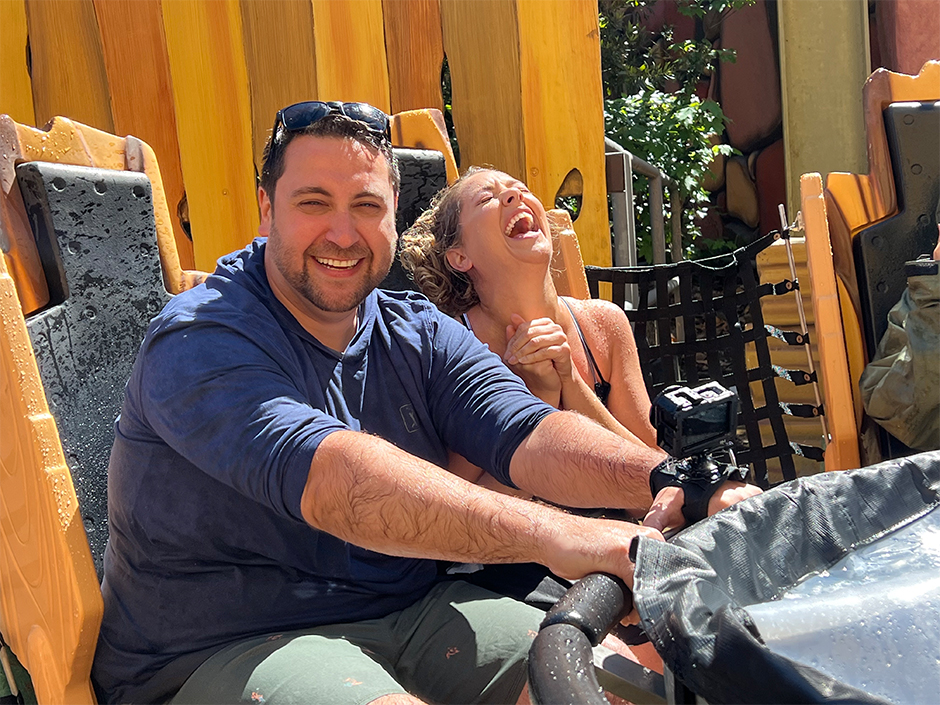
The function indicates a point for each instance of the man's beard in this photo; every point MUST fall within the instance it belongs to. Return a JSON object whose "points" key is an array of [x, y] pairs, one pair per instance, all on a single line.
{"points": [[340, 299]]}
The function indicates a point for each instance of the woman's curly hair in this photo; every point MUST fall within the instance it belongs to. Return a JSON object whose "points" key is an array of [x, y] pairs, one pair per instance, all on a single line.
{"points": [[424, 249]]}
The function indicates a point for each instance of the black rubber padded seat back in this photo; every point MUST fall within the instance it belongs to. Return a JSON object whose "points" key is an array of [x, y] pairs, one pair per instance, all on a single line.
{"points": [[423, 174], [913, 134], [97, 241], [703, 332]]}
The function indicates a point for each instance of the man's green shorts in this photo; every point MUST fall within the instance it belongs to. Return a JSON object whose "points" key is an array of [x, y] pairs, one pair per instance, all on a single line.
{"points": [[460, 644]]}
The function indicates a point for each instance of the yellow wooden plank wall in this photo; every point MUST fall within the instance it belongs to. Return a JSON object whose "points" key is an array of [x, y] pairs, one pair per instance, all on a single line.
{"points": [[563, 112], [534, 107], [68, 74], [210, 92], [350, 43], [16, 97], [481, 40], [281, 60], [415, 53], [141, 88], [201, 80]]}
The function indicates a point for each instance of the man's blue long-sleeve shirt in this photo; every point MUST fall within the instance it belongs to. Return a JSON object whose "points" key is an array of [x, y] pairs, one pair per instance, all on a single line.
{"points": [[226, 405]]}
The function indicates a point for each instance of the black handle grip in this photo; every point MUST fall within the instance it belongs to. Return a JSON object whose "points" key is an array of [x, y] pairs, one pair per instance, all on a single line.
{"points": [[594, 605], [561, 668]]}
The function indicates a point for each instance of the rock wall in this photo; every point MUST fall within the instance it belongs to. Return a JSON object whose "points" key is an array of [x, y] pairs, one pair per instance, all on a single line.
{"points": [[747, 188]]}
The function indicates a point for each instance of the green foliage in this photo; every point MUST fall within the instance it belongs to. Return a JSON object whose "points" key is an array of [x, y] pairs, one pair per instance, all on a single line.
{"points": [[672, 129], [447, 95]]}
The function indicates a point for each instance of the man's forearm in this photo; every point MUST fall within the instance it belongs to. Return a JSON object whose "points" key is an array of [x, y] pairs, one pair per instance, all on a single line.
{"points": [[367, 491], [569, 460]]}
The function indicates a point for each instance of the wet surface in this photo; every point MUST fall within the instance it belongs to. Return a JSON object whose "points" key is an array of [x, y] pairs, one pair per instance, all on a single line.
{"points": [[95, 233], [872, 620]]}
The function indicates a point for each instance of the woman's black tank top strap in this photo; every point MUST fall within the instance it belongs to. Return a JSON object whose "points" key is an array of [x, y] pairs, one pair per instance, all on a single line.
{"points": [[601, 386]]}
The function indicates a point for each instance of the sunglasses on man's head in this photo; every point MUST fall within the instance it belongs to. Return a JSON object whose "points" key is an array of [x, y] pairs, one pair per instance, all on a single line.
{"points": [[300, 116]]}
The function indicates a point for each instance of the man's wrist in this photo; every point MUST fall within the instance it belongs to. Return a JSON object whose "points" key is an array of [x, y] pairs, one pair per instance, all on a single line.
{"points": [[559, 532], [698, 478]]}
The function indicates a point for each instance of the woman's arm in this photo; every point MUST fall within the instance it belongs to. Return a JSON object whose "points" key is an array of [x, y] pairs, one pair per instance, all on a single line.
{"points": [[576, 395], [609, 334], [463, 468]]}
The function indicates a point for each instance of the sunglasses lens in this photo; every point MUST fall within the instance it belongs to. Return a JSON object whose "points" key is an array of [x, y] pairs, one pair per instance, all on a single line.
{"points": [[374, 118], [301, 115]]}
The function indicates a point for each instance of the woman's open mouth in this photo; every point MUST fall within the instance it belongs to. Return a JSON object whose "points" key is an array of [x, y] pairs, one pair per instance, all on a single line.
{"points": [[520, 225]]}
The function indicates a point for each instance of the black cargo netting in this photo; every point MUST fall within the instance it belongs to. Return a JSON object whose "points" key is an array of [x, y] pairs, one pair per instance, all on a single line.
{"points": [[695, 322]]}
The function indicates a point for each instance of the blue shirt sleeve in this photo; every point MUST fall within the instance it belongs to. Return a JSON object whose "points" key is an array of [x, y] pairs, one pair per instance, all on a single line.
{"points": [[228, 406], [482, 409]]}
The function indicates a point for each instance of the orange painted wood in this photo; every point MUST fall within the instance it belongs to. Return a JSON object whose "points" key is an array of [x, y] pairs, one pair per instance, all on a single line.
{"points": [[16, 236], [50, 604], [856, 201], [281, 61], [534, 107], [350, 44], [487, 97], [139, 78], [424, 129], [16, 92], [839, 391], [415, 50], [567, 265], [563, 114], [68, 73], [213, 117]]}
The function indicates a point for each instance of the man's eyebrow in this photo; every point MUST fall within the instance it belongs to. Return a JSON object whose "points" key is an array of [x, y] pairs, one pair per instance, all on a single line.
{"points": [[320, 191], [368, 194], [309, 190]]}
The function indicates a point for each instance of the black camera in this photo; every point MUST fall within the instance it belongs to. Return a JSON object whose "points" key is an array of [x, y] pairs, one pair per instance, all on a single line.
{"points": [[695, 421], [693, 426]]}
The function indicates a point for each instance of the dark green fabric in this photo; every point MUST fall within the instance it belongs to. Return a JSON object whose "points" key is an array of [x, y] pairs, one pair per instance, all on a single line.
{"points": [[901, 386], [23, 681], [460, 644]]}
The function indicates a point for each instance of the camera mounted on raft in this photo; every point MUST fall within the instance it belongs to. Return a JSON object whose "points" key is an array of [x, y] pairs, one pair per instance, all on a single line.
{"points": [[693, 425]]}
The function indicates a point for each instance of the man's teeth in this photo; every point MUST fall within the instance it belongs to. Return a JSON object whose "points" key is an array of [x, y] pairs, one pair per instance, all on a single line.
{"points": [[338, 263], [515, 219]]}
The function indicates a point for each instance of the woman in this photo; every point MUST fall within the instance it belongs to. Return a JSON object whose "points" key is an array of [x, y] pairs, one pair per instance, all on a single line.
{"points": [[482, 253]]}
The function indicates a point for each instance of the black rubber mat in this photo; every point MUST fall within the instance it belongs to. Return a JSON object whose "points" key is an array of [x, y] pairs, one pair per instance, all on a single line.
{"points": [[913, 132], [96, 236]]}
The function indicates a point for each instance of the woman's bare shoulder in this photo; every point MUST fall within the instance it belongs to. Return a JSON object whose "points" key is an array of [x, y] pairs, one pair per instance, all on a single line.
{"points": [[602, 317]]}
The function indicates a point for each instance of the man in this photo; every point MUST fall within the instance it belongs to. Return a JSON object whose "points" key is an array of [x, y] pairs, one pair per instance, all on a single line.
{"points": [[276, 490]]}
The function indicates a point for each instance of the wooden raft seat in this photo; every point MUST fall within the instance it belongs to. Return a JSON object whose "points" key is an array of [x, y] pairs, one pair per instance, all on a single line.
{"points": [[88, 260], [858, 228]]}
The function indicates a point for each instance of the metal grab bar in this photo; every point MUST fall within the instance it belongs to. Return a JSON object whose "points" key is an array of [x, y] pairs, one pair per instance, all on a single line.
{"points": [[621, 165]]}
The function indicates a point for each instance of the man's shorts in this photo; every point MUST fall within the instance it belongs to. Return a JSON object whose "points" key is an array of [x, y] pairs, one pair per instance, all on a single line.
{"points": [[460, 644]]}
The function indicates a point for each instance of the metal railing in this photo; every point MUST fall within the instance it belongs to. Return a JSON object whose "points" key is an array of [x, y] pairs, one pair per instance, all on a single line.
{"points": [[621, 166]]}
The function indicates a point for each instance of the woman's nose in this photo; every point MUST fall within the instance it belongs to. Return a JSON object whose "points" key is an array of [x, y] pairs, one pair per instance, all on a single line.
{"points": [[510, 196]]}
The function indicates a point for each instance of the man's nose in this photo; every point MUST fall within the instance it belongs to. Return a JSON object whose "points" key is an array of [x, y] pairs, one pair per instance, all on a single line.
{"points": [[510, 196], [343, 231]]}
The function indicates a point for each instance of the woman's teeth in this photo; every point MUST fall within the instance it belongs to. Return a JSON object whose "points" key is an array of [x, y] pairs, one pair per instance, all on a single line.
{"points": [[338, 263], [528, 223]]}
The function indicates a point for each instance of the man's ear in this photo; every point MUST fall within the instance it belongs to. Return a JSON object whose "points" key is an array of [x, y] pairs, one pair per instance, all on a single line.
{"points": [[267, 214], [458, 260]]}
